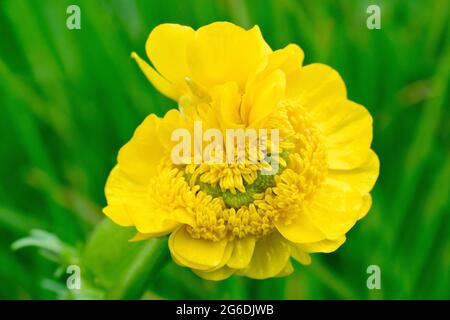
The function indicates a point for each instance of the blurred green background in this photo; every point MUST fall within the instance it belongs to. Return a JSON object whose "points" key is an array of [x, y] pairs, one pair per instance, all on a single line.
{"points": [[69, 99]]}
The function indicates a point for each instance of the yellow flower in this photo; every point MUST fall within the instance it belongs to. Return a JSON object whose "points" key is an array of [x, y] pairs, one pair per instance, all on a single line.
{"points": [[228, 218]]}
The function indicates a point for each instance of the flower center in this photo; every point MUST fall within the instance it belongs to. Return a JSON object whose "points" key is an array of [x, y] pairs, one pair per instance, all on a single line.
{"points": [[236, 200]]}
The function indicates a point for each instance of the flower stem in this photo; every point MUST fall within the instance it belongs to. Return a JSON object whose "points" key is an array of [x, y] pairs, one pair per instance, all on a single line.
{"points": [[120, 268], [142, 272]]}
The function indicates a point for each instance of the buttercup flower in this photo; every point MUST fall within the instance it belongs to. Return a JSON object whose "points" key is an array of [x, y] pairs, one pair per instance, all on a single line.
{"points": [[229, 218]]}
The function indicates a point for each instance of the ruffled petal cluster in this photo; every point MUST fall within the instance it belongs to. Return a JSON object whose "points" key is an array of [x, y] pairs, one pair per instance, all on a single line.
{"points": [[226, 219]]}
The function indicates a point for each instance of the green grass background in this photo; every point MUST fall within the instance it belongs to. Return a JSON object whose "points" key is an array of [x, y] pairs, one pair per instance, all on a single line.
{"points": [[70, 99]]}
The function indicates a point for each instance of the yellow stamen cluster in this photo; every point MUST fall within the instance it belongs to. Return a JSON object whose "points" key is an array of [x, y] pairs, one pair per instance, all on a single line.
{"points": [[234, 200], [228, 176]]}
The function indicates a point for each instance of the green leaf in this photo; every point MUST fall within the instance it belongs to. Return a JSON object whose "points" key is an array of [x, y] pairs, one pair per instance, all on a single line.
{"points": [[122, 268], [52, 247]]}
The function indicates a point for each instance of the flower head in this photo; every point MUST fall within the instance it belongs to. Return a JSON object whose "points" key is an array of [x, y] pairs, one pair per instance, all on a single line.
{"points": [[227, 217]]}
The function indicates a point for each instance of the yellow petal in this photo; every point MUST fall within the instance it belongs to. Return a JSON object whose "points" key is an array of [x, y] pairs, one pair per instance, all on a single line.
{"points": [[300, 255], [365, 206], [182, 216], [152, 221], [263, 97], [242, 252], [216, 275], [334, 210], [161, 84], [223, 52], [325, 246], [140, 156], [362, 178], [288, 59], [348, 131], [172, 121], [126, 188], [346, 125], [118, 189], [315, 84], [226, 102], [141, 236], [300, 229], [128, 205], [198, 254], [287, 270], [166, 49], [269, 258]]}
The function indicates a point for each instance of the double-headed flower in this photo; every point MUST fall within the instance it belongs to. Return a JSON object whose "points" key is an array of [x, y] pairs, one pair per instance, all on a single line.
{"points": [[231, 218]]}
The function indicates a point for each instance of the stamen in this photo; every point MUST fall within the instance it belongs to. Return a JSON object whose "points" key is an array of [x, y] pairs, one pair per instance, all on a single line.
{"points": [[236, 200]]}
